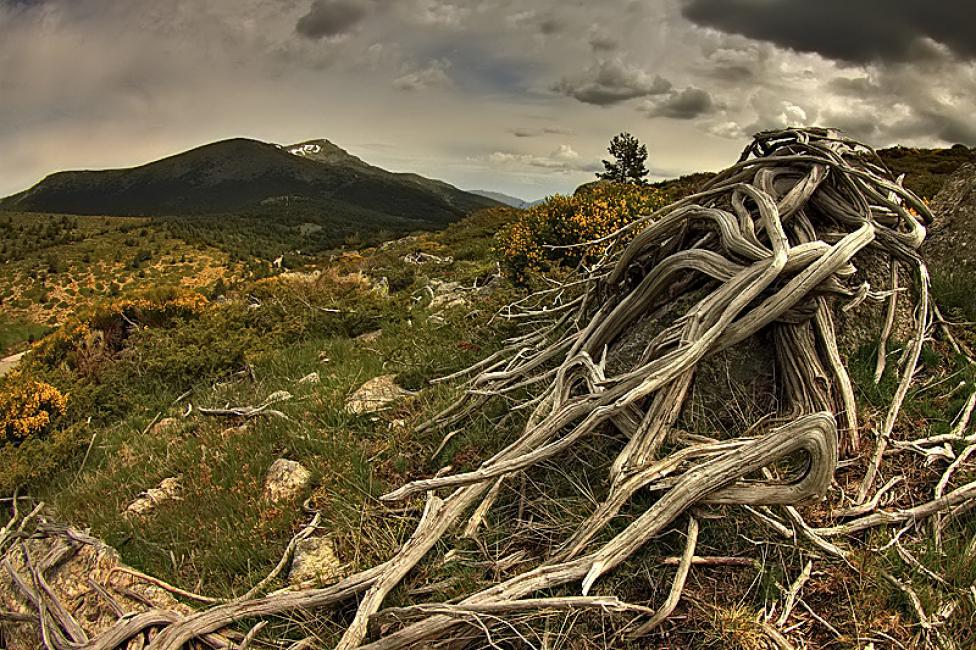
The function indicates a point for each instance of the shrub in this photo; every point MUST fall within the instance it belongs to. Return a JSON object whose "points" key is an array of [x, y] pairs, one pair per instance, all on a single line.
{"points": [[106, 328], [526, 245], [28, 410]]}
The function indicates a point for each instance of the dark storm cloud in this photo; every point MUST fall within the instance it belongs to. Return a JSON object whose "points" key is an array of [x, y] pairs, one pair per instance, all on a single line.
{"points": [[330, 18], [533, 133], [611, 82], [550, 25], [684, 105], [855, 32]]}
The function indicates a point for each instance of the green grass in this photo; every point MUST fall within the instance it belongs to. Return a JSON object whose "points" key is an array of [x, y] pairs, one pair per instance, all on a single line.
{"points": [[55, 264], [15, 333], [223, 536]]}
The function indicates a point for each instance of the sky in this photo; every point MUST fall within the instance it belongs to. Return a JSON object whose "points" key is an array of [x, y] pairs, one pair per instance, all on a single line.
{"points": [[518, 97]]}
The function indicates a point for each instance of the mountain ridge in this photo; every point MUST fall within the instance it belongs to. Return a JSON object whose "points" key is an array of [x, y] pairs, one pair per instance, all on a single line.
{"points": [[241, 174]]}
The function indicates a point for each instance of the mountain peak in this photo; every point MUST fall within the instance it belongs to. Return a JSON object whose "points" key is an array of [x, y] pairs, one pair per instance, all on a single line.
{"points": [[322, 150]]}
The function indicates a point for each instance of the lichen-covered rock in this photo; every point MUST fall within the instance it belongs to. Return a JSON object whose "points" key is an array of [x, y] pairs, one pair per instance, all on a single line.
{"points": [[315, 562], [73, 566], [168, 490], [375, 395], [286, 480]]}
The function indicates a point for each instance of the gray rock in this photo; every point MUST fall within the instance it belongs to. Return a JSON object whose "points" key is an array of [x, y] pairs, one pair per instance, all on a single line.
{"points": [[286, 480], [375, 395]]}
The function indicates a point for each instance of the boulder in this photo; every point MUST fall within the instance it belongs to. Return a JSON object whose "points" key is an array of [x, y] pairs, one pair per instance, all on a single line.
{"points": [[286, 480], [375, 395]]}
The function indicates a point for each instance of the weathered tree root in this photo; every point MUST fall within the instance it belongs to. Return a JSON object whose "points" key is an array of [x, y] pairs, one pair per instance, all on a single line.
{"points": [[769, 247]]}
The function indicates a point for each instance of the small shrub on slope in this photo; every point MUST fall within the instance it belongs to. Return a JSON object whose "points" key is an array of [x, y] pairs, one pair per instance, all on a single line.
{"points": [[28, 409], [525, 246]]}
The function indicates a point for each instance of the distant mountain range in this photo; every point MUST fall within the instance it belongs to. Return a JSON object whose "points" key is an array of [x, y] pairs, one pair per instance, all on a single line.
{"points": [[317, 178], [511, 201]]}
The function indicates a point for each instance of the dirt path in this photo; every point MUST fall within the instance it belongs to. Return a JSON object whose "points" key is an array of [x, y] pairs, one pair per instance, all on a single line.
{"points": [[9, 363]]}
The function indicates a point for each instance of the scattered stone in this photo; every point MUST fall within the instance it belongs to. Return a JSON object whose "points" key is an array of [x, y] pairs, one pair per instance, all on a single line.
{"points": [[163, 426], [310, 378], [370, 337], [70, 582], [380, 287], [315, 562], [169, 490], [375, 395], [447, 301], [445, 295], [298, 276], [230, 432], [420, 258], [286, 480], [277, 397], [441, 287]]}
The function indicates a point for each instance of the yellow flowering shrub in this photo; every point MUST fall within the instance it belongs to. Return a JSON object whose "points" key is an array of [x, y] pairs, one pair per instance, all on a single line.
{"points": [[526, 244], [28, 409], [105, 329]]}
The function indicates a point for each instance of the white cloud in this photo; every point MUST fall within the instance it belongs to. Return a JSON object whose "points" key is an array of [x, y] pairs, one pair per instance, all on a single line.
{"points": [[434, 74]]}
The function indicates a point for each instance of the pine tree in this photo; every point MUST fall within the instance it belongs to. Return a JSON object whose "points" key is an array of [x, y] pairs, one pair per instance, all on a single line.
{"points": [[628, 164]]}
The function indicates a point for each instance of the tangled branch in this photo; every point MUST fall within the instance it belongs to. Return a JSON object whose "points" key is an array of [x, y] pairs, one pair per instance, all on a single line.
{"points": [[770, 248]]}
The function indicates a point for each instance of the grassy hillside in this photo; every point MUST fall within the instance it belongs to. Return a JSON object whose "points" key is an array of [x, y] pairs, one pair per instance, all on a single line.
{"points": [[159, 346], [223, 536], [56, 264], [926, 169]]}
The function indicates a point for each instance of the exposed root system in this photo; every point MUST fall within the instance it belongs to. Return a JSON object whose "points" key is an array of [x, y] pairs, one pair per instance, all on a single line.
{"points": [[768, 251]]}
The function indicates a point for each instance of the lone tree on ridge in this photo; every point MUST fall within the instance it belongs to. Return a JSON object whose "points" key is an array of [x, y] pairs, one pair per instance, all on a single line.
{"points": [[628, 164]]}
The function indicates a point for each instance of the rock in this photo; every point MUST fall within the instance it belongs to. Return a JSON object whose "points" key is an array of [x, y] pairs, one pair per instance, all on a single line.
{"points": [[419, 258], [441, 287], [286, 480], [168, 490], [315, 562], [163, 426], [447, 301], [445, 295], [84, 560], [380, 287], [375, 395], [370, 337], [310, 378], [277, 397]]}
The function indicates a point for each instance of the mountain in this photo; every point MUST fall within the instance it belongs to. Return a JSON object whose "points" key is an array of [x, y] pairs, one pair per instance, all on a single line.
{"points": [[508, 200], [242, 175]]}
